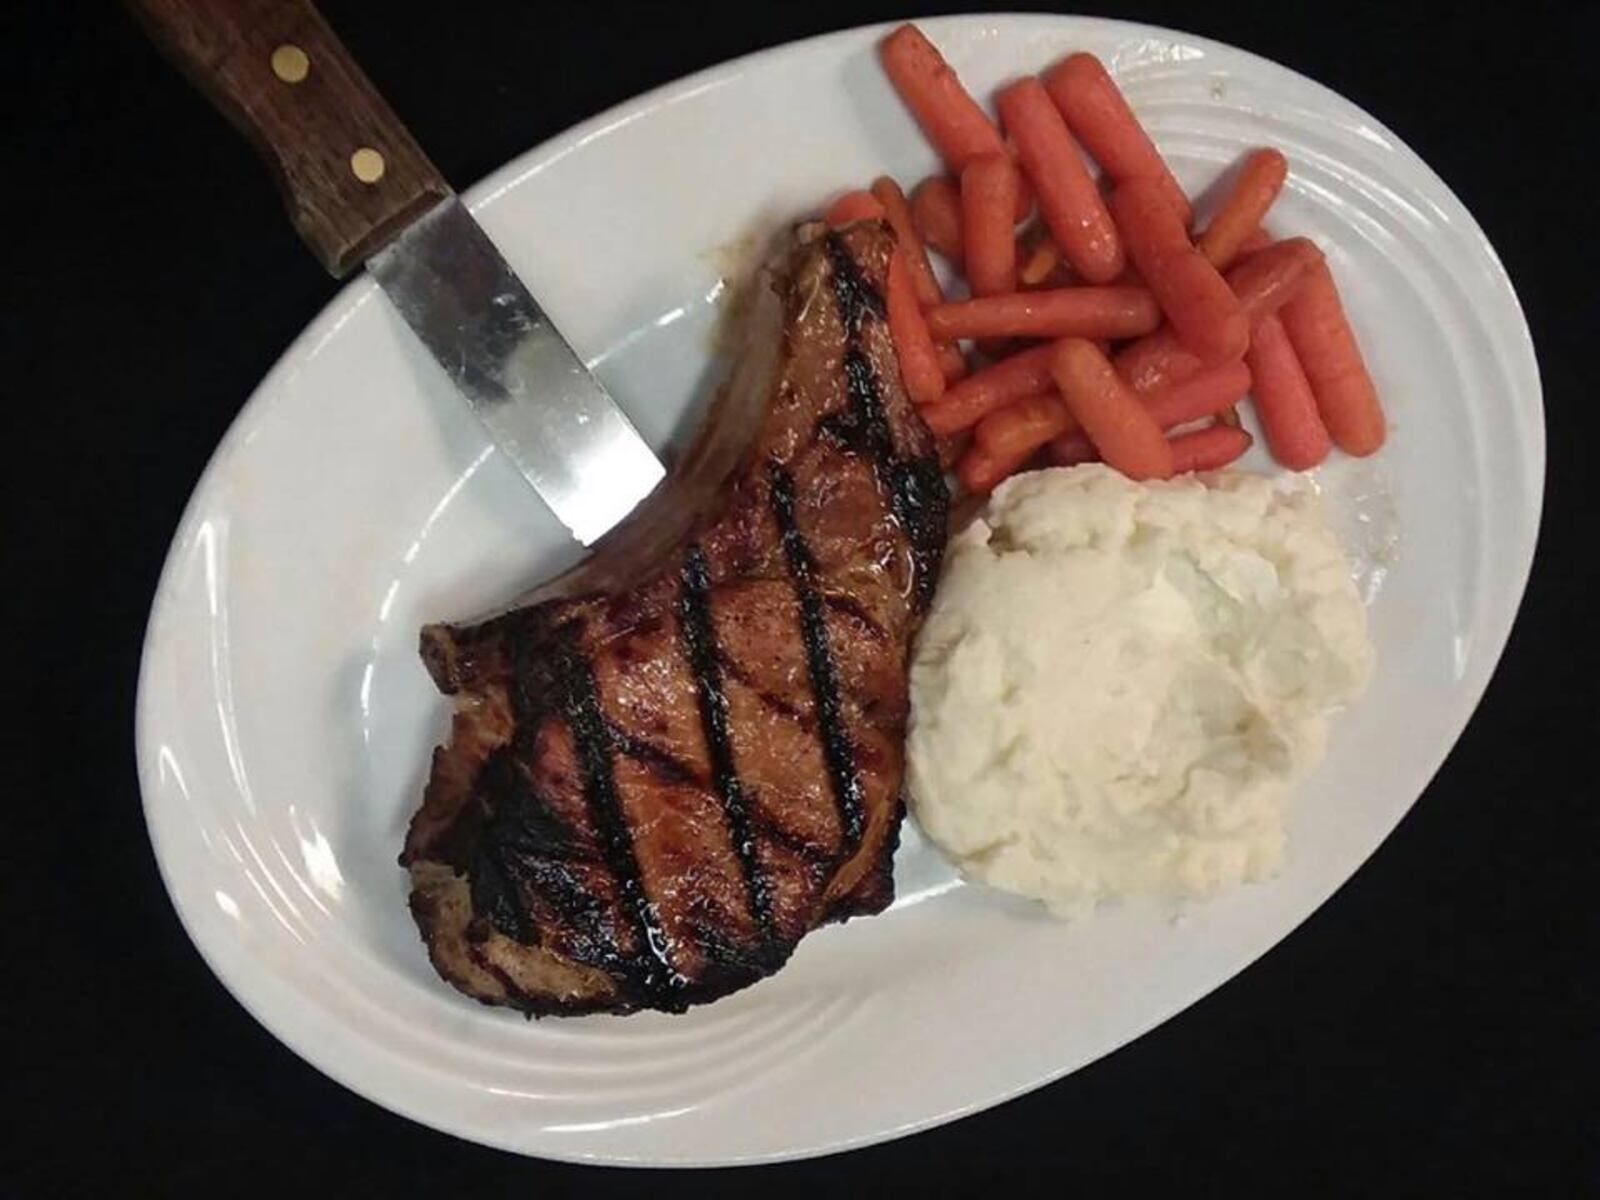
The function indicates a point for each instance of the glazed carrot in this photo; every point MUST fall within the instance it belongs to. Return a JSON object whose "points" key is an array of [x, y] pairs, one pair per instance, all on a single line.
{"points": [[1209, 393], [968, 402], [951, 360], [1037, 260], [898, 213], [1098, 114], [1131, 277], [852, 207], [1112, 312], [1024, 205], [988, 198], [919, 359], [1260, 180], [1321, 335], [1295, 433], [1209, 449], [1024, 425], [936, 212], [1266, 279], [1156, 361], [980, 472], [1204, 313], [1262, 281], [1121, 428], [1069, 201], [952, 120], [1203, 395], [1258, 240]]}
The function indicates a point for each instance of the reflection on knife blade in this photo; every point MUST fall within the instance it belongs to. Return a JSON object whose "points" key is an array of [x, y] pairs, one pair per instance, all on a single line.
{"points": [[541, 405]]}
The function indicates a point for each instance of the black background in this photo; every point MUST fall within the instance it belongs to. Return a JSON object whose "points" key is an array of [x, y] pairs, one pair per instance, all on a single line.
{"points": [[1427, 1032]]}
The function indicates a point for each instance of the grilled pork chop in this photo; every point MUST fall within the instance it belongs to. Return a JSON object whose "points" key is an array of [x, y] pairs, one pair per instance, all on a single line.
{"points": [[685, 755]]}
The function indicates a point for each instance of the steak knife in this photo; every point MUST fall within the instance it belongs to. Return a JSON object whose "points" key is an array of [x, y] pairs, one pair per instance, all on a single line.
{"points": [[360, 190]]}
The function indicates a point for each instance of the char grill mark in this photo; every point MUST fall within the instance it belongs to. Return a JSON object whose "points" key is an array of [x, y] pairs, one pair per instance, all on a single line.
{"points": [[837, 745], [649, 968], [773, 714], [525, 846], [705, 660], [855, 295]]}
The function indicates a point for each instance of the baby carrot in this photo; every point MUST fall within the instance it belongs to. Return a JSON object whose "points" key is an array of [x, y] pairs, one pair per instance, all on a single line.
{"points": [[1069, 201], [1265, 280], [1209, 393], [968, 402], [1121, 428], [958, 128], [919, 360], [1037, 260], [1156, 361], [852, 207], [1024, 425], [1321, 335], [936, 212], [1098, 114], [898, 213], [1202, 395], [1260, 180], [1262, 281], [1209, 449], [1288, 411], [1111, 312], [988, 201], [980, 472], [1024, 204], [951, 361], [1260, 239], [1204, 313]]}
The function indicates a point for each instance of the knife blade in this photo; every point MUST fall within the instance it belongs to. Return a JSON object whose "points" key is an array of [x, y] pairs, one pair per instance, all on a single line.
{"points": [[542, 406], [360, 189]]}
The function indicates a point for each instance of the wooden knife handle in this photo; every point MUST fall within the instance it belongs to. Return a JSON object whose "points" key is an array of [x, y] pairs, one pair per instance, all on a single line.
{"points": [[351, 175]]}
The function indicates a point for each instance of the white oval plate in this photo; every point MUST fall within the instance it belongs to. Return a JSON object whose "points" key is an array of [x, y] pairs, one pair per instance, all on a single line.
{"points": [[285, 722]]}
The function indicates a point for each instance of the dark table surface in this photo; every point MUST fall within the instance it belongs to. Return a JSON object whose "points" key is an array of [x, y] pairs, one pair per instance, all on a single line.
{"points": [[1426, 1032]]}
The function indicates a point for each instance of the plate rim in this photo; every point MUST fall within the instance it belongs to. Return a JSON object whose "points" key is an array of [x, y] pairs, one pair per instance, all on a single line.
{"points": [[337, 1065]]}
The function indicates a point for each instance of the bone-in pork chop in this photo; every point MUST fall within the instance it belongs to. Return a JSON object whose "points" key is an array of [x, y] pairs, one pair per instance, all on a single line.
{"points": [[687, 754]]}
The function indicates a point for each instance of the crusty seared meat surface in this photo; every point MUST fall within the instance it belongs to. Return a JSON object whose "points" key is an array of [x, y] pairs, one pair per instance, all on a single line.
{"points": [[687, 754]]}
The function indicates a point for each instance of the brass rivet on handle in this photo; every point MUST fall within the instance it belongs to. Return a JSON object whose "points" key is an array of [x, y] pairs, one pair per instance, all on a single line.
{"points": [[290, 64], [366, 164]]}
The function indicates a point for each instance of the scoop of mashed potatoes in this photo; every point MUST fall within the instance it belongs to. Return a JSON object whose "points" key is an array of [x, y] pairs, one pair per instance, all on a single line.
{"points": [[1119, 683]]}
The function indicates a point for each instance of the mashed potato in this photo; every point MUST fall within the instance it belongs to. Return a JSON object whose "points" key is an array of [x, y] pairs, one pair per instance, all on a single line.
{"points": [[1119, 682]]}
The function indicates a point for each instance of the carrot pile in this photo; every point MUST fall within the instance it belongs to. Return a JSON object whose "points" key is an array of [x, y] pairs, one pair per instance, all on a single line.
{"points": [[1110, 328]]}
